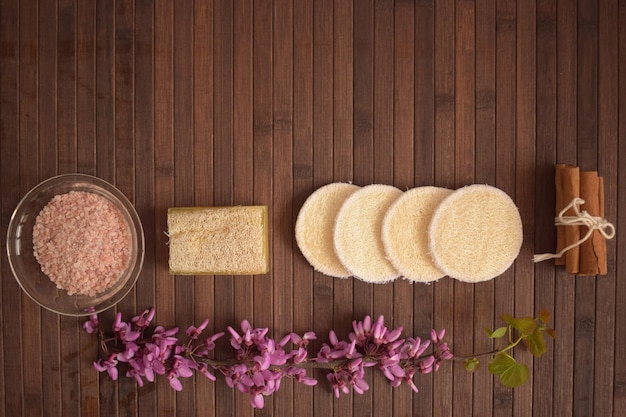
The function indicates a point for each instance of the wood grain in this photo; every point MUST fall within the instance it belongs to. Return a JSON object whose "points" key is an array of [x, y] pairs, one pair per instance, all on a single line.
{"points": [[223, 102]]}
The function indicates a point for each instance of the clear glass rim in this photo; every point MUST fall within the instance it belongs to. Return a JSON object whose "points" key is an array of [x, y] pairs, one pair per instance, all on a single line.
{"points": [[107, 298]]}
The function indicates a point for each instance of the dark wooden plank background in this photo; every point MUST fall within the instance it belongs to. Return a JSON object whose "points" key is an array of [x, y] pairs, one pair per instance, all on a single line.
{"points": [[230, 102]]}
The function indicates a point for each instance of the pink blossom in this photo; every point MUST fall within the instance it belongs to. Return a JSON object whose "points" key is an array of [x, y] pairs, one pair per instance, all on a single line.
{"points": [[92, 324], [194, 332], [108, 365], [174, 381], [144, 319]]}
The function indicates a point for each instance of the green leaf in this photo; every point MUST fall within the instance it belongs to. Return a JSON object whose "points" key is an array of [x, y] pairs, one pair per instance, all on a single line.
{"points": [[511, 373], [535, 343], [516, 376], [526, 325], [472, 364], [544, 315], [501, 363], [496, 334], [508, 319]]}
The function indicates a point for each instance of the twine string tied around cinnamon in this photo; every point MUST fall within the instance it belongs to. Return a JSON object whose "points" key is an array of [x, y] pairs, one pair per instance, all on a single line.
{"points": [[580, 218]]}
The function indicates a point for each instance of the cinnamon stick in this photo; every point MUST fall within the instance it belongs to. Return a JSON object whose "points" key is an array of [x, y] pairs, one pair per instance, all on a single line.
{"points": [[593, 250], [567, 182]]}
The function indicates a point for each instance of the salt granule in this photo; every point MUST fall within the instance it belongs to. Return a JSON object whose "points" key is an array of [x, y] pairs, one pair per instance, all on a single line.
{"points": [[82, 242]]}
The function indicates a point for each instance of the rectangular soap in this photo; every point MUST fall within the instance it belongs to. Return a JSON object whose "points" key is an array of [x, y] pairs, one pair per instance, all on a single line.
{"points": [[218, 240]]}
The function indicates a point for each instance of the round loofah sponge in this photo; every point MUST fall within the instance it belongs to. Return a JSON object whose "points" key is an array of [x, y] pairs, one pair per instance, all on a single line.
{"points": [[405, 233], [357, 234], [475, 233], [315, 224]]}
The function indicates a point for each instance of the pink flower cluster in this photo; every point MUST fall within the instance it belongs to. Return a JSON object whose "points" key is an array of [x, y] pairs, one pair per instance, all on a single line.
{"points": [[261, 362], [371, 344], [156, 352]]}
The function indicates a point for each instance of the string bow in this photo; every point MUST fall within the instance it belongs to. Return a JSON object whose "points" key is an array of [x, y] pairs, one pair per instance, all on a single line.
{"points": [[580, 218]]}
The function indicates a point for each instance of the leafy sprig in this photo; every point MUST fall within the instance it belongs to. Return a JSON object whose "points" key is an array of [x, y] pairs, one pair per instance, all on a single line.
{"points": [[529, 331]]}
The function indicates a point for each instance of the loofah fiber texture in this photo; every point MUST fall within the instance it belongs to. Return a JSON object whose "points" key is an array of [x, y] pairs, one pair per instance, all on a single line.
{"points": [[218, 240], [475, 234], [405, 233], [357, 233], [315, 226]]}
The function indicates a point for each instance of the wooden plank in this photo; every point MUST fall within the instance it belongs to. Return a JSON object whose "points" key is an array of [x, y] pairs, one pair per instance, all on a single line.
{"points": [[223, 171], [383, 169], [505, 159], [48, 163], [183, 101], [123, 99], [70, 366], [123, 157], [485, 168], [322, 172], [203, 107], [443, 308], [464, 93], [619, 392], [363, 91], [464, 154], [363, 154], [587, 153], [545, 239], [363, 158], [303, 313], [587, 85], [67, 144], [243, 145], [263, 129], [66, 88], [608, 151], [184, 172], [424, 168], [86, 87], [343, 114], [282, 173], [145, 172], [105, 88], [424, 45], [11, 381], [525, 137], [567, 56], [263, 126], [404, 140], [403, 167], [145, 148], [243, 149], [567, 33], [164, 183], [27, 179]]}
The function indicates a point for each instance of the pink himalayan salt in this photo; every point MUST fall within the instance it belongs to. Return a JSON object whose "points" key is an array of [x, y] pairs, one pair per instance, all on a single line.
{"points": [[82, 242]]}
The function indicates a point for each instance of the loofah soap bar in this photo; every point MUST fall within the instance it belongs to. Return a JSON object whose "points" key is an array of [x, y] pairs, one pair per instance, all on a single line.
{"points": [[218, 240]]}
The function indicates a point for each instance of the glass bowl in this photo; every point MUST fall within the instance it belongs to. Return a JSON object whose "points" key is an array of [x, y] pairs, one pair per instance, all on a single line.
{"points": [[26, 268]]}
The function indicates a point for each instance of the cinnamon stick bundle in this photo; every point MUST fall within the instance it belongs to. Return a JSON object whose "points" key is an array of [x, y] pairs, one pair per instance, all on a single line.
{"points": [[567, 182], [590, 256]]}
